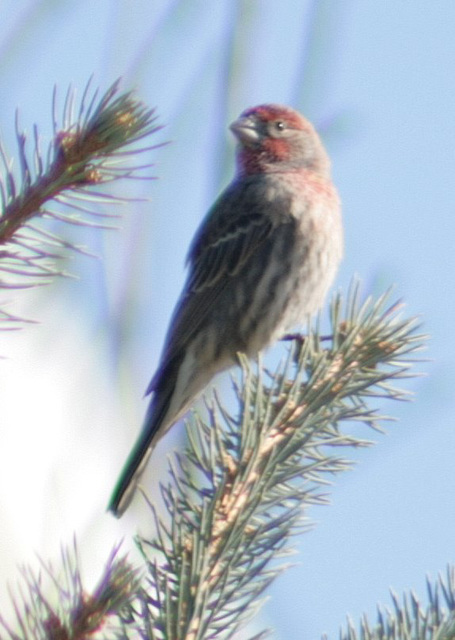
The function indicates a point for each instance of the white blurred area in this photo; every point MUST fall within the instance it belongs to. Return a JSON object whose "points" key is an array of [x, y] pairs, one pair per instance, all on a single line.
{"points": [[60, 413]]}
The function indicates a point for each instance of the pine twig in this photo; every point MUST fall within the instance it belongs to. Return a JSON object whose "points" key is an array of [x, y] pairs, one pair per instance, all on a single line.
{"points": [[239, 494], [410, 619], [91, 149], [57, 607]]}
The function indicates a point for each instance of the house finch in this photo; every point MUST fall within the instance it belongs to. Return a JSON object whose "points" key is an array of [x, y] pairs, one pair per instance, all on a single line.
{"points": [[261, 262]]}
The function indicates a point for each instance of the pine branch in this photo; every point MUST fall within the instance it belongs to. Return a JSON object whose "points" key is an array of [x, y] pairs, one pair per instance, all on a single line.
{"points": [[93, 148], [57, 607], [409, 619], [240, 492]]}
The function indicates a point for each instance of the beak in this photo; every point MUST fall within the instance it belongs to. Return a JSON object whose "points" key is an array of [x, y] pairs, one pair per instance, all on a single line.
{"points": [[245, 130]]}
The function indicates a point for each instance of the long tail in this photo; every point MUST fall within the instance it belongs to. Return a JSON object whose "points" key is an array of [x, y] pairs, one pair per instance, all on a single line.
{"points": [[163, 411], [154, 426], [129, 478], [174, 388]]}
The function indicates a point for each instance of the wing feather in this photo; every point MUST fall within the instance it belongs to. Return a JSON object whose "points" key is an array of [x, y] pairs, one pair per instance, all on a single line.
{"points": [[234, 229]]}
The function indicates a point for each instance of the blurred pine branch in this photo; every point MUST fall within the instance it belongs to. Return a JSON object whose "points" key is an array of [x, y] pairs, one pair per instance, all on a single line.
{"points": [[410, 619], [93, 145], [55, 606]]}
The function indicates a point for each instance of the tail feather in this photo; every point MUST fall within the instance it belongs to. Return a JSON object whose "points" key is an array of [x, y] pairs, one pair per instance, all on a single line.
{"points": [[135, 465], [157, 421], [129, 478], [174, 388]]}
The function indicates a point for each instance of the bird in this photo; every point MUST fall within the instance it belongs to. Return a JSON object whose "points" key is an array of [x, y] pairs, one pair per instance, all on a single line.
{"points": [[260, 264]]}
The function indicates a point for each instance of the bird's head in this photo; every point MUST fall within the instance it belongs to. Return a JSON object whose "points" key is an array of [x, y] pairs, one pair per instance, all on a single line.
{"points": [[275, 138]]}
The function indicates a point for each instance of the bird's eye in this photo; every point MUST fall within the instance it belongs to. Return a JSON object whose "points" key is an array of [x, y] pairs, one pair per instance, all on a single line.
{"points": [[278, 128]]}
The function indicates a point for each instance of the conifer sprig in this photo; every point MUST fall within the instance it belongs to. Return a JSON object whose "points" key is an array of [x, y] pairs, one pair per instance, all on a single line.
{"points": [[409, 618], [55, 606], [241, 490], [92, 146]]}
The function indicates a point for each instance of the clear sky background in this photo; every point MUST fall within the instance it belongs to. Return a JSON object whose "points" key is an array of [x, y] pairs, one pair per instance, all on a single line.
{"points": [[378, 80]]}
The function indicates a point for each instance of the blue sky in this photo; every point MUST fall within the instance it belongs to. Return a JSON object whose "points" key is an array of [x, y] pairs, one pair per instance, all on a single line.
{"points": [[378, 80]]}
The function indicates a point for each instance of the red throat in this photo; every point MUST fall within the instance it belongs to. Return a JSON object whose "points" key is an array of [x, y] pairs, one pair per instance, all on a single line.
{"points": [[270, 154]]}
